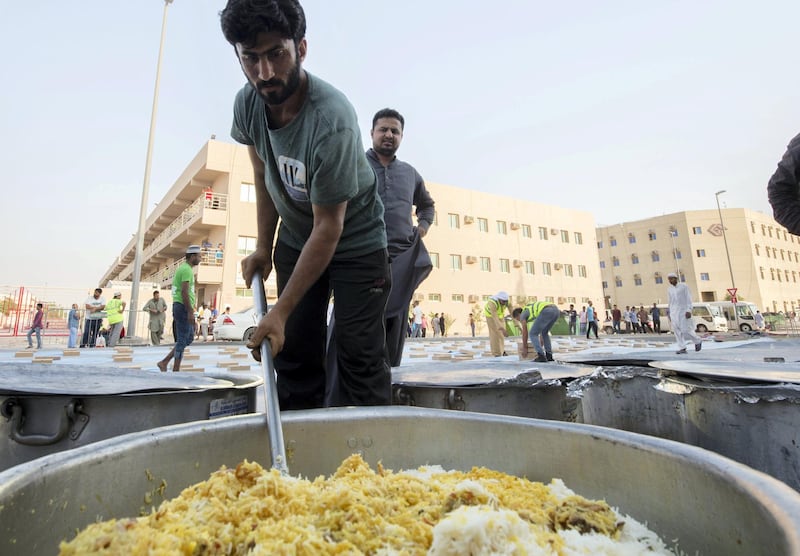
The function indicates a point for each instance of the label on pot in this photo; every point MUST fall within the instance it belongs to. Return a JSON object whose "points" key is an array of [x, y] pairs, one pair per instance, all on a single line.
{"points": [[228, 406]]}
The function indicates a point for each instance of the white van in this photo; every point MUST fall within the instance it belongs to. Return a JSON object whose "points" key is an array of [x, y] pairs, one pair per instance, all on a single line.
{"points": [[743, 318], [706, 316]]}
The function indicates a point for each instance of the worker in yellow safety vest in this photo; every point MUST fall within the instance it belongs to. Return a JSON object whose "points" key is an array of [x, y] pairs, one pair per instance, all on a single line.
{"points": [[537, 319], [494, 311]]}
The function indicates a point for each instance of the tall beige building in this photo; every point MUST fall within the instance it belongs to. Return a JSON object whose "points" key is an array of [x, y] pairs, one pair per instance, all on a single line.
{"points": [[480, 243], [635, 258]]}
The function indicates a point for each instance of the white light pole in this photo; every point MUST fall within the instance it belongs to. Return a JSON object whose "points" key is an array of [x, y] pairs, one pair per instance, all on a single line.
{"points": [[725, 237], [137, 261]]}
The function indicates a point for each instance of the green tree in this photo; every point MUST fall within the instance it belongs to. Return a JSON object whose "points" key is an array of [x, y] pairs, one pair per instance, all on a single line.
{"points": [[7, 305]]}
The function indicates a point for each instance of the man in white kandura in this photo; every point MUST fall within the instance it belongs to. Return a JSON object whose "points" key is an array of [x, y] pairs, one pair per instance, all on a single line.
{"points": [[680, 315]]}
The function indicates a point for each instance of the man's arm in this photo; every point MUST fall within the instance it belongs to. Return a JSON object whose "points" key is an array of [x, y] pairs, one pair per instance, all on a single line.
{"points": [[783, 189], [186, 301], [425, 206], [267, 219]]}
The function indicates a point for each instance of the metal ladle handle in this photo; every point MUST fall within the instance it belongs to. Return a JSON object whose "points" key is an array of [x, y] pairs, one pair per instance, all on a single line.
{"points": [[273, 411]]}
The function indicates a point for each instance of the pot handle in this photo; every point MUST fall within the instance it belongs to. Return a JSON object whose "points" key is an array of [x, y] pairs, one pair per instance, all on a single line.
{"points": [[13, 411]]}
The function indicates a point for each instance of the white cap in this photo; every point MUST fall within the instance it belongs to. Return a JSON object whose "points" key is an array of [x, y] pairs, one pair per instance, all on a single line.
{"points": [[672, 275], [117, 294], [501, 296]]}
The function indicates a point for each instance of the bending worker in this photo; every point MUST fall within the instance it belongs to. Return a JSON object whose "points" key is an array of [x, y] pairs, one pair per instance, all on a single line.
{"points": [[494, 311], [543, 315]]}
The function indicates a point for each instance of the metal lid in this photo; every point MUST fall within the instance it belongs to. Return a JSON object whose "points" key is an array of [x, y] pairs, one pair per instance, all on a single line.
{"points": [[460, 374], [749, 371], [30, 378]]}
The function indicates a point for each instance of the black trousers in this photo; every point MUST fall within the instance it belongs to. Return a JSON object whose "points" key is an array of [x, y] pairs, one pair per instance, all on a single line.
{"points": [[361, 374], [90, 329], [592, 327]]}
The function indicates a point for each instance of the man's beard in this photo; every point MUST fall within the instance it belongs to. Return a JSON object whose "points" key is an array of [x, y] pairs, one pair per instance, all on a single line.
{"points": [[385, 151], [286, 90]]}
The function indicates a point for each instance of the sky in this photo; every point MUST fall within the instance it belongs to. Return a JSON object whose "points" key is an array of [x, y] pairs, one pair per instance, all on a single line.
{"points": [[626, 109]]}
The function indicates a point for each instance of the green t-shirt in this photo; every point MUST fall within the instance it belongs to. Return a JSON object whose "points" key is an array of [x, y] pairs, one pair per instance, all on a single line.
{"points": [[318, 158], [183, 274]]}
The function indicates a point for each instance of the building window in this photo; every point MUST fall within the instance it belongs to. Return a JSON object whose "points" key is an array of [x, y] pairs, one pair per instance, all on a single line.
{"points": [[612, 241], [767, 252], [486, 264], [564, 236], [434, 259], [546, 269], [243, 292], [505, 266], [677, 253], [457, 297], [434, 297], [502, 229], [247, 193], [526, 230], [701, 252], [758, 249], [637, 280], [605, 284], [582, 270], [763, 229], [697, 230], [599, 244], [245, 245], [673, 231], [752, 226], [783, 258], [704, 276], [761, 271], [618, 282], [568, 270], [455, 262], [794, 276], [602, 264], [770, 231], [454, 220], [614, 261], [659, 279], [651, 235], [542, 232], [772, 273], [529, 268], [483, 225], [631, 238], [654, 256], [635, 259], [578, 238]]}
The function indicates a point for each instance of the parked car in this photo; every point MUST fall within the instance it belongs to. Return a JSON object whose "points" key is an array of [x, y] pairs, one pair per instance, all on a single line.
{"points": [[236, 326]]}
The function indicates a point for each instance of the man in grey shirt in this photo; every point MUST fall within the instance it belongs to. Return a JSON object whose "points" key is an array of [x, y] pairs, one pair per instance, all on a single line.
{"points": [[401, 188]]}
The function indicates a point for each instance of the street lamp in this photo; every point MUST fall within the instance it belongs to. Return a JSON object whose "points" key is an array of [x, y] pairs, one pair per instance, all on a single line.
{"points": [[137, 261], [725, 238]]}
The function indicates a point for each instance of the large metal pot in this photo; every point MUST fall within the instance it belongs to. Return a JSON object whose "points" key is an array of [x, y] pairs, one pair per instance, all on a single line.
{"points": [[711, 504], [49, 410]]}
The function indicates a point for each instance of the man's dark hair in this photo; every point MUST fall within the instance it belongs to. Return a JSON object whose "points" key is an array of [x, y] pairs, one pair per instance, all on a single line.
{"points": [[516, 313], [388, 113], [243, 20], [98, 290], [39, 305]]}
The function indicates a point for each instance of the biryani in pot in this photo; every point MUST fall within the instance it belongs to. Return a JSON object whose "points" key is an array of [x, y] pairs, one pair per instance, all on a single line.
{"points": [[358, 510]]}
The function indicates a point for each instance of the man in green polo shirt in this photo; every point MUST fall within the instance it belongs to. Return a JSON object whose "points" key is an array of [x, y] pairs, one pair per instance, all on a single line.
{"points": [[182, 308]]}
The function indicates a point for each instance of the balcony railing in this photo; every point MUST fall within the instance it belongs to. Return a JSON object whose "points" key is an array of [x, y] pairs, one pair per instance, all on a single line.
{"points": [[208, 257]]}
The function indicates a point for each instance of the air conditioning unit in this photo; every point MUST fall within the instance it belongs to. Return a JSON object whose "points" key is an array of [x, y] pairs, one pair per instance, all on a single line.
{"points": [[471, 259], [468, 219], [562, 300], [517, 263], [473, 299], [514, 226], [557, 266], [553, 231]]}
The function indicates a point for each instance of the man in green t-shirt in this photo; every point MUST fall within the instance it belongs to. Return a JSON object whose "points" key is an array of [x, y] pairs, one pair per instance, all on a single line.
{"points": [[310, 171], [182, 308]]}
